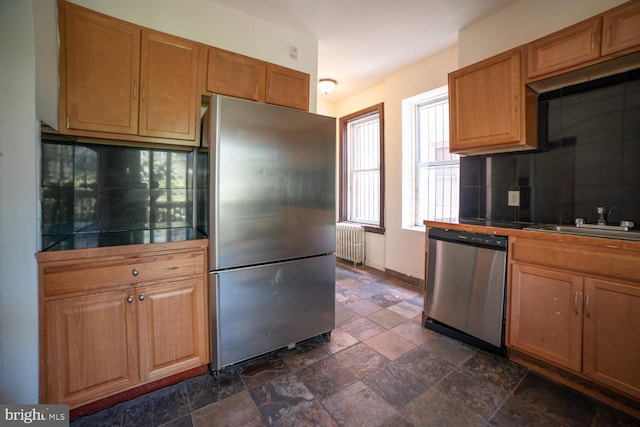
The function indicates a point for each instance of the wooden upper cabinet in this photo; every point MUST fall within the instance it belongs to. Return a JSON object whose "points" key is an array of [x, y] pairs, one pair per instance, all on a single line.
{"points": [[621, 28], [236, 75], [121, 81], [99, 72], [287, 87], [489, 106], [565, 50], [168, 86], [232, 74]]}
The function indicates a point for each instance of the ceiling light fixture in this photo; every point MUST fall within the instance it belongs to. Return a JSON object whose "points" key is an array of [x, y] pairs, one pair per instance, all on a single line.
{"points": [[326, 85]]}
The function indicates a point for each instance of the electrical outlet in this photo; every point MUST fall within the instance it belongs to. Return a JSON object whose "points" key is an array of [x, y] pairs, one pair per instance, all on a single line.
{"points": [[514, 198], [294, 52]]}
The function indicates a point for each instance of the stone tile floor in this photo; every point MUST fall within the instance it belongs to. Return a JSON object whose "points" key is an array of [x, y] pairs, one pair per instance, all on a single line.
{"points": [[380, 368]]}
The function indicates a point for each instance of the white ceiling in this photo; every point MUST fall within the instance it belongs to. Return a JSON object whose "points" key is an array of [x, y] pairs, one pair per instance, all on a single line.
{"points": [[362, 41]]}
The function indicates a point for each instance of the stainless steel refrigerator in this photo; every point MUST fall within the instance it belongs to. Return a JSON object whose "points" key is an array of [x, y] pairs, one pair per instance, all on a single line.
{"points": [[267, 202]]}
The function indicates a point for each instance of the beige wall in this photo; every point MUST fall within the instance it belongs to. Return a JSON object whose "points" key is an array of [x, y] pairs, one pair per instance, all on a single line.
{"points": [[398, 249], [402, 250]]}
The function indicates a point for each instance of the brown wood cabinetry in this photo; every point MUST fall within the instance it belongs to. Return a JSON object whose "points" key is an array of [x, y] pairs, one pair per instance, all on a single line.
{"points": [[121, 81], [621, 28], [611, 324], [232, 74], [578, 308], [116, 318], [489, 106], [236, 75], [169, 101], [565, 49], [287, 87], [608, 35], [546, 317]]}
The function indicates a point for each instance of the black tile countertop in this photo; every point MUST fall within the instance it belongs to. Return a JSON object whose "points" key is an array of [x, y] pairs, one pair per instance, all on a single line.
{"points": [[97, 239], [528, 230]]}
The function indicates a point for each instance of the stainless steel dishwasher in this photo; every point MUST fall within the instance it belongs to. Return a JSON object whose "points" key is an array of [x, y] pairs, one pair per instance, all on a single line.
{"points": [[466, 278]]}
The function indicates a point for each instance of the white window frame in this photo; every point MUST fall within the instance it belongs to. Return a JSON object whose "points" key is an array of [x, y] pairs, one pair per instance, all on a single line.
{"points": [[409, 155]]}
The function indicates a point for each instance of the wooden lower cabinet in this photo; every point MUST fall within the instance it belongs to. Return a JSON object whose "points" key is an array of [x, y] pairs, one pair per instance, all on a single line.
{"points": [[103, 335], [90, 347], [546, 315], [171, 326], [611, 349], [577, 320]]}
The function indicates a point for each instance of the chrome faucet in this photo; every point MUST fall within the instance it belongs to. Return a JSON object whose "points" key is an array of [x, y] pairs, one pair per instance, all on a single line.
{"points": [[603, 215], [601, 218]]}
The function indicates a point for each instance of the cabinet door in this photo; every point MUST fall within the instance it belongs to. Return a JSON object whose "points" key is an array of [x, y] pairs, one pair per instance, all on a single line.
{"points": [[172, 320], [621, 28], [90, 347], [99, 67], [236, 75], [564, 50], [546, 315], [287, 87], [169, 103], [611, 331], [485, 102]]}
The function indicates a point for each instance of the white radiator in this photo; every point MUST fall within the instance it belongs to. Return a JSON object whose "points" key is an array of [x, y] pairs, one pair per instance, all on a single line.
{"points": [[350, 242]]}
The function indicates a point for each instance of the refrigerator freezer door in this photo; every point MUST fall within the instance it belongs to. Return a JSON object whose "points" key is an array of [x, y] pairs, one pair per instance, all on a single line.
{"points": [[259, 309], [272, 183]]}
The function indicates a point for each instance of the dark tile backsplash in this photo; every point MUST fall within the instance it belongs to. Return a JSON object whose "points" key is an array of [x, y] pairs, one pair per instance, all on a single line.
{"points": [[101, 188], [589, 156]]}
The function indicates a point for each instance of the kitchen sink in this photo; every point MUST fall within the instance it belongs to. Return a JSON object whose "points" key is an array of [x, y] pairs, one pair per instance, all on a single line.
{"points": [[614, 233]]}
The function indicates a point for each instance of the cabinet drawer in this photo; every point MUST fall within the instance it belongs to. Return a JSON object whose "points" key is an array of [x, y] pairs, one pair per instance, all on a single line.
{"points": [[96, 275], [601, 261]]}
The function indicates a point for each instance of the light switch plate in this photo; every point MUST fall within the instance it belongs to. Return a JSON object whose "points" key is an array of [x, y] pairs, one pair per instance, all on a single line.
{"points": [[514, 198]]}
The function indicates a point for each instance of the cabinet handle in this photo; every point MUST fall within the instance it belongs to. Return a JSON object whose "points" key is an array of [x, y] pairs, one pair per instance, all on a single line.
{"points": [[135, 272], [586, 307], [142, 90], [575, 302], [515, 103], [607, 37], [141, 297], [135, 89], [593, 41], [129, 299]]}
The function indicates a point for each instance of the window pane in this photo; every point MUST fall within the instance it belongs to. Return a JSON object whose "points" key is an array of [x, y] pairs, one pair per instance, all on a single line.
{"points": [[364, 201], [441, 198], [364, 170], [437, 171]]}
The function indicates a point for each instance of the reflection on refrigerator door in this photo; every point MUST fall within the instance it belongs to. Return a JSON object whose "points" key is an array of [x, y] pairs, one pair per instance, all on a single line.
{"points": [[258, 309]]}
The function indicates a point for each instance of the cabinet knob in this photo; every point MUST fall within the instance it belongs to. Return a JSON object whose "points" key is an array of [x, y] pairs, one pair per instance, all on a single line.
{"points": [[129, 299], [141, 297], [135, 272]]}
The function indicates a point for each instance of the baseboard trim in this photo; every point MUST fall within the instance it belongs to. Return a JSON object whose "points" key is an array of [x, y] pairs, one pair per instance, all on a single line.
{"points": [[415, 283], [123, 396]]}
